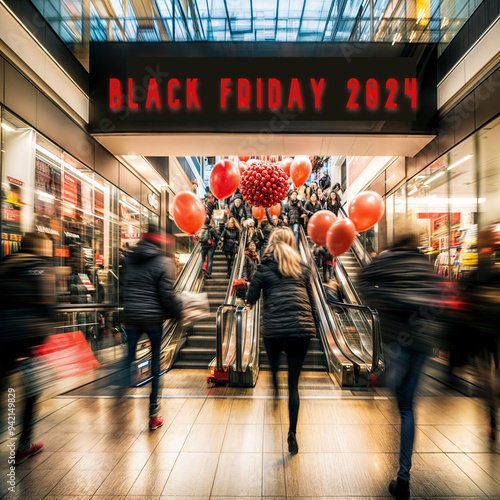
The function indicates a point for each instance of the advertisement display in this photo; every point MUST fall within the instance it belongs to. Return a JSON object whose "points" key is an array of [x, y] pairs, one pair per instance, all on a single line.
{"points": [[136, 89]]}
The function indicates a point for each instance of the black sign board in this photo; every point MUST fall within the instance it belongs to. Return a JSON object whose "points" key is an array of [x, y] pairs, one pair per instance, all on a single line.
{"points": [[135, 93]]}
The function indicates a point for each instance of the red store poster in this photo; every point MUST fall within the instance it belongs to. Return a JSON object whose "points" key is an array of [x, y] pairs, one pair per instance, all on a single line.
{"points": [[70, 195]]}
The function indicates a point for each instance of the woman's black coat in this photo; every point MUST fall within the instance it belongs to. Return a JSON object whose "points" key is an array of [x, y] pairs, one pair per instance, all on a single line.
{"points": [[249, 267], [288, 309], [332, 207], [230, 236]]}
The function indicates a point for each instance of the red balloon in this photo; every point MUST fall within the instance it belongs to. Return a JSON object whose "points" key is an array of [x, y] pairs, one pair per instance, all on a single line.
{"points": [[189, 212], [244, 158], [258, 212], [300, 170], [366, 209], [224, 179], [253, 161], [340, 237], [285, 165], [318, 226], [275, 210]]}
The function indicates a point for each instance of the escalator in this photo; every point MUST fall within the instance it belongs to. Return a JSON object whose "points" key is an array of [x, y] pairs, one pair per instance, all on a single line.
{"points": [[348, 344], [199, 345]]}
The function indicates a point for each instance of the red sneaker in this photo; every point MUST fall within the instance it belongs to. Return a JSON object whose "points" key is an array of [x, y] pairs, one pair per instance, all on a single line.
{"points": [[22, 456], [155, 422]]}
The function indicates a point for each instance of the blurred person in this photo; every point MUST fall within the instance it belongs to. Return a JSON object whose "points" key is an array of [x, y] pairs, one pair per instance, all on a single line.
{"points": [[318, 258], [312, 206], [332, 203], [254, 234], [327, 258], [307, 194], [230, 240], [208, 238], [149, 301], [401, 284], [251, 262], [325, 182], [27, 299], [314, 187], [266, 228], [210, 203], [289, 318], [237, 210], [338, 190], [301, 193], [321, 195], [294, 214]]}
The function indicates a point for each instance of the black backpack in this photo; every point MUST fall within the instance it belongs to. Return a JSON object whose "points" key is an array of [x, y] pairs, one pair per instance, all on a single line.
{"points": [[204, 235]]}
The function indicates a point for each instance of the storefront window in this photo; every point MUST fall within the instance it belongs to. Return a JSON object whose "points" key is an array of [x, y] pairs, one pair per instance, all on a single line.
{"points": [[428, 213], [18, 164], [463, 217], [488, 147]]}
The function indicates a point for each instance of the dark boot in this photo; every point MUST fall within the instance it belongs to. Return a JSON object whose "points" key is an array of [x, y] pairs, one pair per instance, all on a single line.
{"points": [[400, 488], [293, 446]]}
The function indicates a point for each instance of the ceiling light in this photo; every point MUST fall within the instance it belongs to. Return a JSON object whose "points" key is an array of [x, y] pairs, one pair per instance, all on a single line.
{"points": [[8, 127], [434, 177], [464, 159], [414, 190]]}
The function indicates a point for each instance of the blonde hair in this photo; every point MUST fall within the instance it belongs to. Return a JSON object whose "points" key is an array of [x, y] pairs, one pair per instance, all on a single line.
{"points": [[282, 248], [236, 223]]}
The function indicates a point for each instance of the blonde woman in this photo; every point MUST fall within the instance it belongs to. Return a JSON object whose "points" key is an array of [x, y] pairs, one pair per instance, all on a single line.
{"points": [[289, 317]]}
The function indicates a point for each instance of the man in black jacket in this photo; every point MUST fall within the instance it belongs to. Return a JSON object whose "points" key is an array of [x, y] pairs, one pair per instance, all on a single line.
{"points": [[401, 285], [27, 297], [149, 301], [325, 181]]}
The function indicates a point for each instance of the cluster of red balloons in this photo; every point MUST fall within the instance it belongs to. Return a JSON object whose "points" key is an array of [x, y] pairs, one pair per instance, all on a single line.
{"points": [[264, 185], [365, 210]]}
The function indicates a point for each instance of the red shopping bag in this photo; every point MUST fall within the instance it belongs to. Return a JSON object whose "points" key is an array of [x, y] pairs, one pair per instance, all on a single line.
{"points": [[68, 354], [205, 265]]}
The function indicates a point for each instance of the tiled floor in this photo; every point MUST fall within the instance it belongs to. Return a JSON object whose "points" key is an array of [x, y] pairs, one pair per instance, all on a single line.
{"points": [[230, 447]]}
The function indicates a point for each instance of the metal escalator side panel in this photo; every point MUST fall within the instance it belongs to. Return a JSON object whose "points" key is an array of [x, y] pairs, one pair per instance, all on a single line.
{"points": [[340, 360]]}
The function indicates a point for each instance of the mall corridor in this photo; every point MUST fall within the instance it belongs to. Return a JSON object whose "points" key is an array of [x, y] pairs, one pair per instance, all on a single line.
{"points": [[231, 444]]}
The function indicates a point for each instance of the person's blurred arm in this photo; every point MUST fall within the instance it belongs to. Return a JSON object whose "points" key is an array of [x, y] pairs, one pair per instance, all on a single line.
{"points": [[255, 287]]}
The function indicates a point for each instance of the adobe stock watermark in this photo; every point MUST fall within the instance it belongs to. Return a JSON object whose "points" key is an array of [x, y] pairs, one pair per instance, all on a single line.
{"points": [[11, 443]]}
